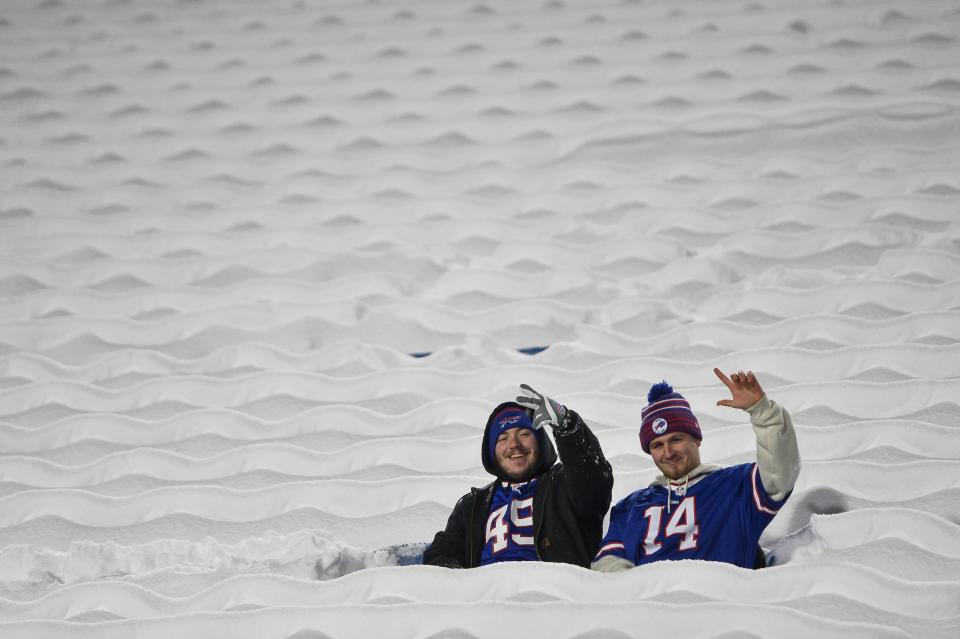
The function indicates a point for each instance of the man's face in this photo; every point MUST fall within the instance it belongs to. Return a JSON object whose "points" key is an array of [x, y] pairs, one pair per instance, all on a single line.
{"points": [[675, 454], [517, 452]]}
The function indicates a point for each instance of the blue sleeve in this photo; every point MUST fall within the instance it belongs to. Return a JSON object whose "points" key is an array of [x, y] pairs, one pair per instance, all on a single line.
{"points": [[761, 500], [759, 508], [612, 543]]}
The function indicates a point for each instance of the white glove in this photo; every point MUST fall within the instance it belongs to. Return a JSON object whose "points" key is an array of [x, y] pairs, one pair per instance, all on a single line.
{"points": [[545, 410]]}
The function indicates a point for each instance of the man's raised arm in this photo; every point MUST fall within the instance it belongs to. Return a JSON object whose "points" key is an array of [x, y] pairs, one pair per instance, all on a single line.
{"points": [[778, 456]]}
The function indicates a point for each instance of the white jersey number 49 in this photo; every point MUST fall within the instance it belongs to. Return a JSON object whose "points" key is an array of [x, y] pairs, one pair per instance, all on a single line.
{"points": [[498, 529]]}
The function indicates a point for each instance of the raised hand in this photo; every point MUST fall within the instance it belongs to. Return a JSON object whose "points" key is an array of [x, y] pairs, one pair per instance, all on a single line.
{"points": [[744, 388], [545, 410]]}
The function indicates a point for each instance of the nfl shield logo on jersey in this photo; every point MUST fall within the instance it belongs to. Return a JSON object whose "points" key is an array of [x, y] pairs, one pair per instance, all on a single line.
{"points": [[659, 425]]}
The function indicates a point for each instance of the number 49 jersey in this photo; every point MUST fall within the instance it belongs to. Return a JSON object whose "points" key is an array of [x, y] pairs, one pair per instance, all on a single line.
{"points": [[509, 530], [719, 518]]}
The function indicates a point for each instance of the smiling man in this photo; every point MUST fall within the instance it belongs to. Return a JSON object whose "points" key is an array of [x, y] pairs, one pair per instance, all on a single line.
{"points": [[702, 511], [536, 509]]}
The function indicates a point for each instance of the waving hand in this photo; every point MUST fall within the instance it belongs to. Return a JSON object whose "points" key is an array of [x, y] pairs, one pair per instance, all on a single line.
{"points": [[744, 388], [546, 410]]}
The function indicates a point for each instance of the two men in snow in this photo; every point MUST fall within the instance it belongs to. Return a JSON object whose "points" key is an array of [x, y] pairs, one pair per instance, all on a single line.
{"points": [[538, 509]]}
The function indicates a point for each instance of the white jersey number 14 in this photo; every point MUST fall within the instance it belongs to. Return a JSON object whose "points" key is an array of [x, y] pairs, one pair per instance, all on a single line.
{"points": [[683, 521]]}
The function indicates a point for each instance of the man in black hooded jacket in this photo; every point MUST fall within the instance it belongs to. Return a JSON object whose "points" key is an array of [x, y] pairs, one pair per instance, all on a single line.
{"points": [[536, 509]]}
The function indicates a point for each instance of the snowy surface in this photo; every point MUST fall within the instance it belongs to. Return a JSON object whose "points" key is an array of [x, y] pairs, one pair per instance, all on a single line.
{"points": [[226, 227]]}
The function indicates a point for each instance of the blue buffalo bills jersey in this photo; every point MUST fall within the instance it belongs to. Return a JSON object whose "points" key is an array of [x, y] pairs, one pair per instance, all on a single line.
{"points": [[509, 528], [718, 516]]}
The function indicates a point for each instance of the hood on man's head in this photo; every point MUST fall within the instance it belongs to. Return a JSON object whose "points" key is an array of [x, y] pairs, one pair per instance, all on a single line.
{"points": [[512, 415]]}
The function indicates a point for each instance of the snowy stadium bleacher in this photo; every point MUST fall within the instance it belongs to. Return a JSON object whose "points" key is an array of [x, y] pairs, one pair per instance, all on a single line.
{"points": [[266, 266]]}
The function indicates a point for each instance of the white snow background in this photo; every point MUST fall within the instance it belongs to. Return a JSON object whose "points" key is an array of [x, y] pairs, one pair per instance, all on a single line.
{"points": [[227, 226]]}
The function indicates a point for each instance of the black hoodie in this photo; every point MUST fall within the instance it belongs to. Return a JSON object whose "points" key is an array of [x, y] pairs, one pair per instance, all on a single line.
{"points": [[569, 503]]}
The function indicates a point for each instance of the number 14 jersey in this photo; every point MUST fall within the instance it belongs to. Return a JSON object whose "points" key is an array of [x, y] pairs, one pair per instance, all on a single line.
{"points": [[717, 516]]}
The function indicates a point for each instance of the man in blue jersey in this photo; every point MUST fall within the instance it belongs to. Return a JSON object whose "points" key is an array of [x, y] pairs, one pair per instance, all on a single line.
{"points": [[536, 509], [702, 511]]}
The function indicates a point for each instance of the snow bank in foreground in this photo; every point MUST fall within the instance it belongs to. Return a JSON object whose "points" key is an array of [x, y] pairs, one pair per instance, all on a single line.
{"points": [[27, 569]]}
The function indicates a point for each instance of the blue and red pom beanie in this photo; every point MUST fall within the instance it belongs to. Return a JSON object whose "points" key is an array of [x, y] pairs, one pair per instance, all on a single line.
{"points": [[666, 412], [509, 417]]}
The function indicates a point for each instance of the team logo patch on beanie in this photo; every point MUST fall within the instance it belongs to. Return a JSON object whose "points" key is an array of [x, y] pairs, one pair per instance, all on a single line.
{"points": [[666, 412]]}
